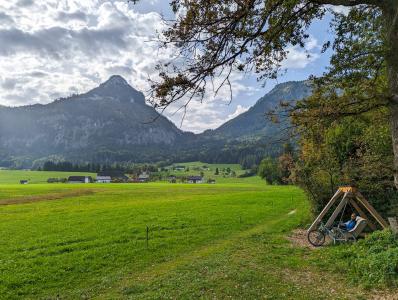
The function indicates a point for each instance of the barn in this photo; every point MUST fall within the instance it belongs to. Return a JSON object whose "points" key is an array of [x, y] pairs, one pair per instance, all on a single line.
{"points": [[80, 179]]}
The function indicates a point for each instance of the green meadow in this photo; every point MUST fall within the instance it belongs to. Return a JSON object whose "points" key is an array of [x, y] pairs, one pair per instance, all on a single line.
{"points": [[14, 176], [157, 241], [209, 172]]}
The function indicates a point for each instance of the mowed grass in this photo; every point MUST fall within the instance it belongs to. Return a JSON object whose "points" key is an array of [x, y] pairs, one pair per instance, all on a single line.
{"points": [[205, 241]]}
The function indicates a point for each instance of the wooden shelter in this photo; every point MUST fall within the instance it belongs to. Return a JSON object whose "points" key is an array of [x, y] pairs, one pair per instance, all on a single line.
{"points": [[349, 195]]}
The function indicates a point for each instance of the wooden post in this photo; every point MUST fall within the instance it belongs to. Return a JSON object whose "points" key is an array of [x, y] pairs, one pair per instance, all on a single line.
{"points": [[362, 214], [337, 210], [393, 224], [371, 209], [325, 210], [147, 237]]}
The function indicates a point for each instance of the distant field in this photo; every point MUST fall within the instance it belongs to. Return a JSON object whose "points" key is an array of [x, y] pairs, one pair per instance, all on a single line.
{"points": [[34, 177], [209, 172], [14, 176]]}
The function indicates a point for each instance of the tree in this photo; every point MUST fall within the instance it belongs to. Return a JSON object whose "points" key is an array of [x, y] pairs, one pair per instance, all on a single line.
{"points": [[217, 37], [268, 170], [348, 151], [217, 172]]}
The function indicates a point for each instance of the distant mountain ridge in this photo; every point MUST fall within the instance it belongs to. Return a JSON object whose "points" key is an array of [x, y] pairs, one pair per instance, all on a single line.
{"points": [[112, 123], [253, 122]]}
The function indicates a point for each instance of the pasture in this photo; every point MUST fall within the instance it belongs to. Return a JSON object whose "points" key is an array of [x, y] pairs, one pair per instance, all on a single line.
{"points": [[209, 172], [14, 176], [72, 241]]}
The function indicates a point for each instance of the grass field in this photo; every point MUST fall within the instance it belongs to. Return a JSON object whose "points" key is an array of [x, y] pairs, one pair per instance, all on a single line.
{"points": [[14, 176], [195, 168], [205, 241]]}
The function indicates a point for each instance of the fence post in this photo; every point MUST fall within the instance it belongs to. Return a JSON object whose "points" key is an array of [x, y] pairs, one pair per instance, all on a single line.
{"points": [[147, 236]]}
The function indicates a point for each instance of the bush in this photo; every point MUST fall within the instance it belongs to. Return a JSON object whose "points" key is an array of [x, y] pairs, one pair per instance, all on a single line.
{"points": [[372, 261], [268, 170]]}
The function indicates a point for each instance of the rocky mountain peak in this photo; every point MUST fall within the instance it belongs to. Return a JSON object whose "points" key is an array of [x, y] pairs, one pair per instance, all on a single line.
{"points": [[114, 81], [117, 87]]}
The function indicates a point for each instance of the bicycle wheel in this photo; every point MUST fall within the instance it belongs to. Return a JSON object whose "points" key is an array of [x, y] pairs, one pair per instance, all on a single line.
{"points": [[316, 238]]}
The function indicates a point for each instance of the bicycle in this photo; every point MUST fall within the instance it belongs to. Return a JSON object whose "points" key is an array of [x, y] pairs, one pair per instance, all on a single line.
{"points": [[317, 237]]}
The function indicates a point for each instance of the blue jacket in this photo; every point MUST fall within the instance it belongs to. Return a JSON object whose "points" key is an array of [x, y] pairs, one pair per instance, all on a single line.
{"points": [[350, 224]]}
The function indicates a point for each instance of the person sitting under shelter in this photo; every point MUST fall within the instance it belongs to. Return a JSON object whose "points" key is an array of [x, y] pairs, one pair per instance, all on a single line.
{"points": [[350, 224]]}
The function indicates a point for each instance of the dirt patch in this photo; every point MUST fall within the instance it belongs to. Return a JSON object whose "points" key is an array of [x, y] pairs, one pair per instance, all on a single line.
{"points": [[46, 197], [298, 238]]}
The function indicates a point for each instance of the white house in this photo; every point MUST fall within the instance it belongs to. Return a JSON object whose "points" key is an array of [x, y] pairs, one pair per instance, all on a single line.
{"points": [[144, 177], [195, 179], [104, 179]]}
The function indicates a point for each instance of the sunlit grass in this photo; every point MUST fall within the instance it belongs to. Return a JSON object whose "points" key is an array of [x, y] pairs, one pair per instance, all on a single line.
{"points": [[82, 244], [205, 240]]}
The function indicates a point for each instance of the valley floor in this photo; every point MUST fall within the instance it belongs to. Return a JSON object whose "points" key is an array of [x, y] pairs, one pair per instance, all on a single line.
{"points": [[205, 241]]}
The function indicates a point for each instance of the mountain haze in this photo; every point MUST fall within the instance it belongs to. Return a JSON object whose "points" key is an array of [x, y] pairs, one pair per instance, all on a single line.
{"points": [[113, 123]]}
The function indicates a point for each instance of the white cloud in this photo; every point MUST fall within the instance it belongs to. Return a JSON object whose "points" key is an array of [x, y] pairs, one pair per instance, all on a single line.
{"points": [[215, 109], [55, 48], [239, 110], [299, 58], [340, 9]]}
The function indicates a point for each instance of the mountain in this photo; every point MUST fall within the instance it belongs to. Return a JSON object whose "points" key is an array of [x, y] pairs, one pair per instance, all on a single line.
{"points": [[112, 123], [112, 118], [253, 123], [250, 136]]}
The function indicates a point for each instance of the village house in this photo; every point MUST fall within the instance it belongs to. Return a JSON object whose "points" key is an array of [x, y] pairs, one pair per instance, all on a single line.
{"points": [[111, 176], [104, 179], [24, 181], [179, 168], [80, 179], [143, 177], [195, 179], [172, 179]]}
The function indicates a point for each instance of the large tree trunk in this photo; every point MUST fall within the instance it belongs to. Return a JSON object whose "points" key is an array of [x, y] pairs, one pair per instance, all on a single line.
{"points": [[391, 18]]}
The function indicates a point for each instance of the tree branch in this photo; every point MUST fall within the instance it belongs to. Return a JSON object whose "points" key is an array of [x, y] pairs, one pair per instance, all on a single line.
{"points": [[378, 3]]}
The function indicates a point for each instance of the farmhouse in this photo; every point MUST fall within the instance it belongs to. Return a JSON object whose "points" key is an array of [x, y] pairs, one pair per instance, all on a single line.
{"points": [[117, 176], [195, 179], [179, 168], [104, 179], [80, 179], [144, 177], [172, 179], [23, 181]]}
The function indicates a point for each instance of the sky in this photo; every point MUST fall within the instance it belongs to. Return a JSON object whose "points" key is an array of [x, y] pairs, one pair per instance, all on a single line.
{"points": [[55, 48]]}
